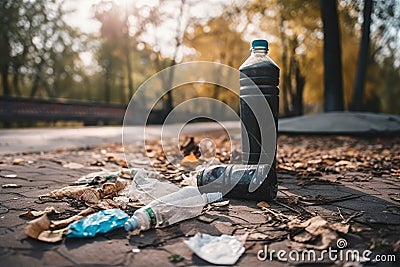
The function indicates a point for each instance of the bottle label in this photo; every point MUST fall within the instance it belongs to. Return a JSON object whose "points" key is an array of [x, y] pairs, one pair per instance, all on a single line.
{"points": [[152, 216]]}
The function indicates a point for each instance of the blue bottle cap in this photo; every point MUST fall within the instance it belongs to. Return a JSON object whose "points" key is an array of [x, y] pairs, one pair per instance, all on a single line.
{"points": [[259, 43]]}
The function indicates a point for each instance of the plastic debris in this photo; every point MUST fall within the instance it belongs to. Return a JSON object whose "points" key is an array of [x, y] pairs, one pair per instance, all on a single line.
{"points": [[224, 249], [146, 189], [181, 205], [103, 221]]}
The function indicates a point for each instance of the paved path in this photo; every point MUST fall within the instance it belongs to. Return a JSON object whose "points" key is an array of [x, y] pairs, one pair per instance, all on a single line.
{"points": [[370, 196], [45, 139]]}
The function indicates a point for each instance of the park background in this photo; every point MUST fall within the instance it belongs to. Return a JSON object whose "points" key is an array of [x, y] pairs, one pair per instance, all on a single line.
{"points": [[101, 51]]}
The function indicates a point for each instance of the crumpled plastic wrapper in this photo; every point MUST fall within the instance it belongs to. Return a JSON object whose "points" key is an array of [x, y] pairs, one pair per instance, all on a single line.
{"points": [[223, 250], [102, 221], [145, 189]]}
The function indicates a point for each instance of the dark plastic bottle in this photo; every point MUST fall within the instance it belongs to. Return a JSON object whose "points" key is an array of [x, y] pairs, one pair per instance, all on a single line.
{"points": [[259, 94], [239, 181], [259, 81]]}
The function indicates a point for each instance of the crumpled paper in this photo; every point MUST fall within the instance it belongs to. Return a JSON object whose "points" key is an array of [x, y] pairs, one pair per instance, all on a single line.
{"points": [[224, 249]]}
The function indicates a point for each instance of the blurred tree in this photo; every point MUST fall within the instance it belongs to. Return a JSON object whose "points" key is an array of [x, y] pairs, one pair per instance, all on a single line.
{"points": [[333, 81], [35, 45], [359, 84]]}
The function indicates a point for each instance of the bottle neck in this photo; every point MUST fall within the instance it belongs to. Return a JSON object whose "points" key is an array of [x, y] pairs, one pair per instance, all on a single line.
{"points": [[259, 51]]}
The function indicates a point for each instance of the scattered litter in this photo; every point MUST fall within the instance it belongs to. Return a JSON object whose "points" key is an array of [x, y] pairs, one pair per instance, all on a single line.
{"points": [[181, 205], [63, 223], [175, 258], [18, 161], [315, 233], [34, 214], [73, 165], [145, 189], [223, 249], [103, 221], [11, 186], [96, 178], [90, 195], [10, 176], [136, 250]]}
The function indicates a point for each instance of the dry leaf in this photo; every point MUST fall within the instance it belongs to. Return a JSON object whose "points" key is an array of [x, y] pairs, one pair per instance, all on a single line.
{"points": [[73, 165], [34, 214], [313, 228], [257, 236], [191, 158], [263, 204], [221, 203], [65, 222], [36, 226], [18, 161], [52, 236], [11, 186]]}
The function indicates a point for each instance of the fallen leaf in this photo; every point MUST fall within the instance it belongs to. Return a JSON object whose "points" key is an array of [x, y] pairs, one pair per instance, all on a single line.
{"points": [[65, 222], [191, 158], [73, 165], [36, 226], [11, 186], [257, 236], [221, 203], [34, 214], [316, 228], [263, 204], [18, 161], [52, 236]]}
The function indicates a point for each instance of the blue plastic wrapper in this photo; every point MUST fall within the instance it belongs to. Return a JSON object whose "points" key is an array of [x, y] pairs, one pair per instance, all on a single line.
{"points": [[100, 222]]}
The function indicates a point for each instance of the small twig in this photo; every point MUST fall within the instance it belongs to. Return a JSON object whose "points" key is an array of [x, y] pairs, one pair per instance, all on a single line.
{"points": [[340, 214], [288, 207], [354, 215]]}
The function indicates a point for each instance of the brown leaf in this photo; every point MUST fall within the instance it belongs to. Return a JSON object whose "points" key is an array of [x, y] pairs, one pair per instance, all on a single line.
{"points": [[52, 236], [35, 227], [65, 222], [263, 204], [18, 161], [34, 214], [73, 165]]}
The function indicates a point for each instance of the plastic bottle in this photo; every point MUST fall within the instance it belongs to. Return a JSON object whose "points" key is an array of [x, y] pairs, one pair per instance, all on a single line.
{"points": [[239, 181], [184, 204], [259, 79]]}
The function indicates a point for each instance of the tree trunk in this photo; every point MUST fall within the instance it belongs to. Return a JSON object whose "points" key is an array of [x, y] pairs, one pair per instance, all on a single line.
{"points": [[284, 70], [359, 83], [333, 80], [128, 57], [107, 76], [4, 79]]}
